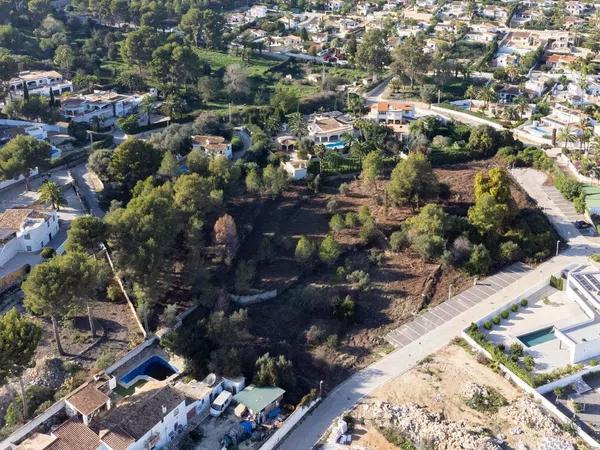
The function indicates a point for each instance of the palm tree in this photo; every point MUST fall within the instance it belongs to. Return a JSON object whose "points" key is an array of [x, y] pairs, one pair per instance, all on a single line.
{"points": [[521, 103], [471, 92], [583, 126], [566, 136], [512, 72], [488, 96], [51, 194], [146, 106]]}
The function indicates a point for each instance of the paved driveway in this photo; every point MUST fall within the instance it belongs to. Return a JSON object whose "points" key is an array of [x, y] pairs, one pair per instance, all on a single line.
{"points": [[433, 318]]}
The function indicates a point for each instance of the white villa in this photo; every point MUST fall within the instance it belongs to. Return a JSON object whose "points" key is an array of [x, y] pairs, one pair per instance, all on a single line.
{"points": [[391, 112], [330, 127], [25, 230], [101, 104], [40, 82], [213, 145]]}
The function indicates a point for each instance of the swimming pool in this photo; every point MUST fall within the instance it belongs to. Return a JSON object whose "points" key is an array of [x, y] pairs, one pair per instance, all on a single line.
{"points": [[154, 367], [538, 337]]}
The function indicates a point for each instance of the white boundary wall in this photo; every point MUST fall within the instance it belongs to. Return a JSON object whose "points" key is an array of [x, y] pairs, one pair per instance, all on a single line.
{"points": [[22, 432], [288, 425], [537, 395]]}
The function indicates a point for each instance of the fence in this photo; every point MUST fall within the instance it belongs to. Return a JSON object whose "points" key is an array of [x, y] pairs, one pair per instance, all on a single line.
{"points": [[535, 393], [256, 298], [129, 302], [22, 432], [288, 426]]}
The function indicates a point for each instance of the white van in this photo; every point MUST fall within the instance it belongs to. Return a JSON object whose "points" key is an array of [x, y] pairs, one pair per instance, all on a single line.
{"points": [[220, 404]]}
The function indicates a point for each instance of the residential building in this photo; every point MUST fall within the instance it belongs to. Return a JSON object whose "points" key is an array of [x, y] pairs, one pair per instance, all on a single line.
{"points": [[39, 82], [260, 401], [391, 112], [557, 61], [25, 230], [103, 105], [330, 127], [213, 145], [297, 169]]}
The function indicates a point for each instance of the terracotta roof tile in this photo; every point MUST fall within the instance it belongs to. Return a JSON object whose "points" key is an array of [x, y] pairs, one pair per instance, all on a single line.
{"points": [[88, 399]]}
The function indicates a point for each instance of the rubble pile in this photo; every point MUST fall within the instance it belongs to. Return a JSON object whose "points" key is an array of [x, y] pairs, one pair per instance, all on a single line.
{"points": [[426, 428], [527, 413]]}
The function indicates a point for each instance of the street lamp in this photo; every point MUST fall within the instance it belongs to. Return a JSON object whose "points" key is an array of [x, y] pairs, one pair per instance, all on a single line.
{"points": [[321, 389], [557, 247], [450, 291]]}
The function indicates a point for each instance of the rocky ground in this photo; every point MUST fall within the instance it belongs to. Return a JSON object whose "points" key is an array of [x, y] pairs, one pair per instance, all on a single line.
{"points": [[451, 401]]}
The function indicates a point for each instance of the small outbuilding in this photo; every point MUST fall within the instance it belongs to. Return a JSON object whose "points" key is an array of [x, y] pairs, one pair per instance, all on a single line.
{"points": [[260, 400]]}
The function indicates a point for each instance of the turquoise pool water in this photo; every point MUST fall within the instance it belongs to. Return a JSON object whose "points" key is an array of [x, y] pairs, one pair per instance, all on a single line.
{"points": [[538, 337]]}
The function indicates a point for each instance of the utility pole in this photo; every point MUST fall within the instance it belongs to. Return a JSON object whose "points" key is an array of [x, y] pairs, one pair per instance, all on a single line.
{"points": [[439, 95], [557, 247]]}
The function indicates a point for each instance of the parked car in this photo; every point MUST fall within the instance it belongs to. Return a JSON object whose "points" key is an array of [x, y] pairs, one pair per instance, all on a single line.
{"points": [[582, 224], [220, 404]]}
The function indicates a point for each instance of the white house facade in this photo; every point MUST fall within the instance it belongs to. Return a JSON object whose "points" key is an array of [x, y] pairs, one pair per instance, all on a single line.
{"points": [[25, 230]]}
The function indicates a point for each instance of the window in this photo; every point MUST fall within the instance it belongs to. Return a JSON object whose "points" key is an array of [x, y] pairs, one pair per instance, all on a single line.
{"points": [[27, 236], [28, 248]]}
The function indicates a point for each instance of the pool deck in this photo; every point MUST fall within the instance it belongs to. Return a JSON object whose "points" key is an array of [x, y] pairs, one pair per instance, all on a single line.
{"points": [[153, 350], [558, 311]]}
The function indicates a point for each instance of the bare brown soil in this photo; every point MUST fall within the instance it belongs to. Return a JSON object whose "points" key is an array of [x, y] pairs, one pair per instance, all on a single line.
{"points": [[397, 282]]}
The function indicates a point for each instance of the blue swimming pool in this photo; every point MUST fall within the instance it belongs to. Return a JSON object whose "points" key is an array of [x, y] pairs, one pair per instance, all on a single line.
{"points": [[538, 337], [154, 367], [339, 145]]}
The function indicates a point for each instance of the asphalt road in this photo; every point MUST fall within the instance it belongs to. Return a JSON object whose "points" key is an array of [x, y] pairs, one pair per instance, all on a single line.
{"points": [[438, 334]]}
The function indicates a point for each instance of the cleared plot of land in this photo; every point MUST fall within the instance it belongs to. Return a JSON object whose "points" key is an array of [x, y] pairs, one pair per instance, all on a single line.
{"points": [[299, 322], [438, 385]]}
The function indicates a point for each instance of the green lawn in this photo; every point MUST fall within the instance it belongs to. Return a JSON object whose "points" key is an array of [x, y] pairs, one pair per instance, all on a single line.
{"points": [[124, 392], [257, 65]]}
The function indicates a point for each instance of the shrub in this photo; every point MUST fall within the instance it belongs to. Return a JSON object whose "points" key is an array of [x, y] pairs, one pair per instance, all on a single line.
{"points": [[236, 143], [515, 307], [480, 261], [488, 325], [501, 347], [330, 250], [306, 251], [557, 282], [559, 392], [244, 275], [364, 213], [486, 403], [529, 362], [169, 315], [105, 360], [314, 335], [510, 251], [332, 205], [593, 362], [516, 350], [345, 308], [368, 231], [430, 247], [332, 341], [344, 188], [505, 314], [524, 302], [398, 240], [496, 320], [351, 219], [113, 292], [336, 223], [360, 278], [47, 252]]}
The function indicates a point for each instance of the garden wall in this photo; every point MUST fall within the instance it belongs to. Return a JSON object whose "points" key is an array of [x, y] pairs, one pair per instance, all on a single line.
{"points": [[536, 394], [288, 425]]}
